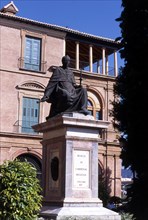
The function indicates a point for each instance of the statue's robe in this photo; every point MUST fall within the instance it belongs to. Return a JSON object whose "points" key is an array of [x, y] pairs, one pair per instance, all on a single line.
{"points": [[63, 94]]}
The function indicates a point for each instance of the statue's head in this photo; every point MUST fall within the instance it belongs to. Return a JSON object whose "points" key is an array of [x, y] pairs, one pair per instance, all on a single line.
{"points": [[66, 60]]}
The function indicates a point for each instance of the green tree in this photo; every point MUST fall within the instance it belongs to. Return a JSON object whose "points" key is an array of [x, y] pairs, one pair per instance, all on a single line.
{"points": [[20, 197], [131, 101], [103, 193]]}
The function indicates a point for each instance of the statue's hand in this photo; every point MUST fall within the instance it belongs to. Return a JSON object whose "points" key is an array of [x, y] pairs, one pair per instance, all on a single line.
{"points": [[77, 86]]}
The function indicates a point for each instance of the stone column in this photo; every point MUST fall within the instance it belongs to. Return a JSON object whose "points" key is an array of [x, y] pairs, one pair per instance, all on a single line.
{"points": [[64, 47], [77, 55], [90, 58], [103, 61]]}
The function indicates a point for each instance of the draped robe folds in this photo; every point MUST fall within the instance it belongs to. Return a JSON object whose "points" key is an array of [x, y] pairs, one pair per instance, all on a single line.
{"points": [[63, 93]]}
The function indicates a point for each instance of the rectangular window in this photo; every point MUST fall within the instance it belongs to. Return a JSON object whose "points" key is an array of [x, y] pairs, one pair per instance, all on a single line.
{"points": [[32, 56], [30, 114]]}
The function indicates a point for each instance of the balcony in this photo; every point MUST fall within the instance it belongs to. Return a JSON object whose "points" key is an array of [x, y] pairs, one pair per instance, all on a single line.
{"points": [[93, 58], [96, 69]]}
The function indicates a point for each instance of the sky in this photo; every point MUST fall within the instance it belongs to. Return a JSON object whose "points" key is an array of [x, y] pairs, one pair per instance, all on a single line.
{"points": [[95, 17]]}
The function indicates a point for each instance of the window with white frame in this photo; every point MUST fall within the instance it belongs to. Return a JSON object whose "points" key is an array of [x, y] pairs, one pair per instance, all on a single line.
{"points": [[32, 52]]}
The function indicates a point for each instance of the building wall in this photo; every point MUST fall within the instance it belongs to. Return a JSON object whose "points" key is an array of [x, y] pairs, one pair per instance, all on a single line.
{"points": [[13, 145], [12, 76], [17, 83]]}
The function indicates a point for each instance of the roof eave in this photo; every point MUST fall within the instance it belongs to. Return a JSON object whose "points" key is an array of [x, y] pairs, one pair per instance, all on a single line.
{"points": [[63, 29]]}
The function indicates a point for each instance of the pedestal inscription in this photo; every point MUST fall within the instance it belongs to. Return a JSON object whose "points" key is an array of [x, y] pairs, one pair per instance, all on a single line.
{"points": [[81, 169]]}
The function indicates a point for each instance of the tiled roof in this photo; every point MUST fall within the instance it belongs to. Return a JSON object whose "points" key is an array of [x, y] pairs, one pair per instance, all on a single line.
{"points": [[60, 28]]}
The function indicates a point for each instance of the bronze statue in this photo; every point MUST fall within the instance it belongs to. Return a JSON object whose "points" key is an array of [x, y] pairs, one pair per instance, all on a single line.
{"points": [[63, 93]]}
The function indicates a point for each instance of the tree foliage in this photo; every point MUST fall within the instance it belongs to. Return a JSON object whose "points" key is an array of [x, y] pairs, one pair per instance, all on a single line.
{"points": [[20, 197], [131, 100], [105, 186]]}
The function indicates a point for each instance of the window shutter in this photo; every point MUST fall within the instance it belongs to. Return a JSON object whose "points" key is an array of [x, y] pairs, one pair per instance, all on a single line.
{"points": [[30, 114], [28, 46], [32, 54], [35, 51]]}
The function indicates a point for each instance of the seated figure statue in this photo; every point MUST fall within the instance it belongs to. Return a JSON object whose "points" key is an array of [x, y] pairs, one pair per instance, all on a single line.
{"points": [[63, 93]]}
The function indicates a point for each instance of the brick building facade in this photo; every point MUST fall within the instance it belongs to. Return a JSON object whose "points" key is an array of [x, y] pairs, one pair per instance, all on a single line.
{"points": [[29, 51]]}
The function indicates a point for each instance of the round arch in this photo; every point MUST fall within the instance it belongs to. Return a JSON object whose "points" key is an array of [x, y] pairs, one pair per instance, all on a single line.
{"points": [[96, 103], [97, 94], [31, 85], [34, 160], [27, 151]]}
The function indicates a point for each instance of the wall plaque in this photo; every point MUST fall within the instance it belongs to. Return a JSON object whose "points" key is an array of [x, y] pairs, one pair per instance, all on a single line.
{"points": [[81, 169]]}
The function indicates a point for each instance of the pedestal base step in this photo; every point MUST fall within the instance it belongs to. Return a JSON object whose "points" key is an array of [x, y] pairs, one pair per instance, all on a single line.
{"points": [[78, 213]]}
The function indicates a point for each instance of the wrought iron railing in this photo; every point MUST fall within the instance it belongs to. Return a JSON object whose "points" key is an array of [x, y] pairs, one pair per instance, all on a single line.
{"points": [[21, 126]]}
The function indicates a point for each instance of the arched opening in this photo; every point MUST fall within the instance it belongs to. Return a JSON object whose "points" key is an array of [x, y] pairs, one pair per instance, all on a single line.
{"points": [[34, 161], [93, 110], [94, 105]]}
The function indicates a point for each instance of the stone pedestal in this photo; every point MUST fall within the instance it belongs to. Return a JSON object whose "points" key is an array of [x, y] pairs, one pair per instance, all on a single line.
{"points": [[70, 168]]}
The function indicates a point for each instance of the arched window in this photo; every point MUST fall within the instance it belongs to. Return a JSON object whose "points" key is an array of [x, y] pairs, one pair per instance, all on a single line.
{"points": [[94, 109], [90, 107]]}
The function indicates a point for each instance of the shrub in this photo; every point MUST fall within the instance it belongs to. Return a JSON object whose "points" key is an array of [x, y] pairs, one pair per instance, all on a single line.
{"points": [[20, 197], [127, 216]]}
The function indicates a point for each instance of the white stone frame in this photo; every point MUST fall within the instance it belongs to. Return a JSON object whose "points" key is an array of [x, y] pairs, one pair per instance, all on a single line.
{"points": [[97, 104], [29, 92], [25, 33]]}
